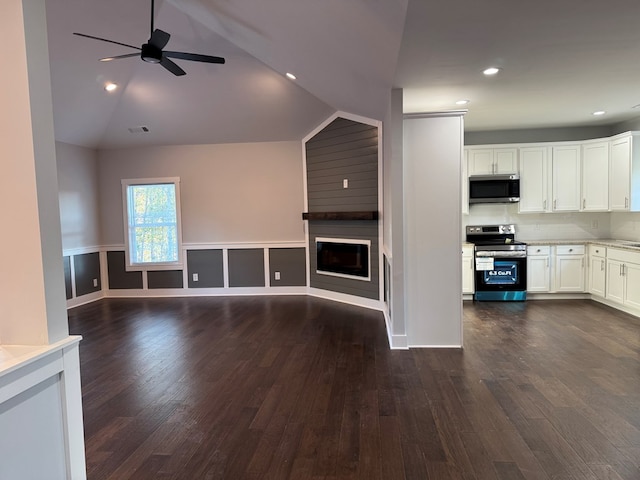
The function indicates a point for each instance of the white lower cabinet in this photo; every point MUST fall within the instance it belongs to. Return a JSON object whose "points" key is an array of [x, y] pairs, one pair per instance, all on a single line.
{"points": [[597, 269], [623, 277], [538, 268], [468, 271], [569, 268]]}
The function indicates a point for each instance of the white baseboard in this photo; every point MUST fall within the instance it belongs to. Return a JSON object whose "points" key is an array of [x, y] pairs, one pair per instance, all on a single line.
{"points": [[90, 297], [459, 347], [345, 298], [204, 292]]}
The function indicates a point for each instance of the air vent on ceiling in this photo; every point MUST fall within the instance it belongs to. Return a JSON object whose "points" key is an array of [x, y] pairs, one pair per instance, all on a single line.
{"points": [[140, 129]]}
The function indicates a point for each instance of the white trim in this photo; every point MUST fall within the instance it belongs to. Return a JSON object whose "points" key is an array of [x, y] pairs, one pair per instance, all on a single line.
{"points": [[444, 113], [351, 241], [225, 268], [345, 298], [396, 342], [84, 299], [204, 292], [69, 252], [457, 347], [267, 269], [72, 273], [156, 266], [242, 245]]}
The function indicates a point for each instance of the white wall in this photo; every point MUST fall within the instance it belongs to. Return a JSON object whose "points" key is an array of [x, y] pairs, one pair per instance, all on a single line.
{"points": [[541, 226], [250, 192], [78, 194], [432, 193]]}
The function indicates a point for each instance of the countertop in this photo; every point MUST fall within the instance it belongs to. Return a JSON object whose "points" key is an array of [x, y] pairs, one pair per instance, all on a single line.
{"points": [[607, 242]]}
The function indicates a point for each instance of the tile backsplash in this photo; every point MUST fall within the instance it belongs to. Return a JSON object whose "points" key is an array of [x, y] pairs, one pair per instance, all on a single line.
{"points": [[555, 226]]}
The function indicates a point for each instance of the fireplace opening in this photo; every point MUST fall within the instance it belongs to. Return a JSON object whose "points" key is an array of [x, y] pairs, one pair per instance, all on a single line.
{"points": [[344, 258]]}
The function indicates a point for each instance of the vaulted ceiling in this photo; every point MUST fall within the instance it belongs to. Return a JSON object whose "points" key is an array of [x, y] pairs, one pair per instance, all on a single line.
{"points": [[560, 62]]}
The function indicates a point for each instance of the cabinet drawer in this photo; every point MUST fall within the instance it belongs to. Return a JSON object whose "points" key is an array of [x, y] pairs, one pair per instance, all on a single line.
{"points": [[597, 251], [538, 250], [570, 250], [624, 256]]}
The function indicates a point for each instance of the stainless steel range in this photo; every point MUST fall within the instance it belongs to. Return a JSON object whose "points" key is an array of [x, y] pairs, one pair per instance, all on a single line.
{"points": [[500, 263]]}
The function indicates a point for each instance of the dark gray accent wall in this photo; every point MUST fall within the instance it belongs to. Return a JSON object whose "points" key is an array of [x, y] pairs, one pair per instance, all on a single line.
{"points": [[358, 230], [533, 135], [209, 267], [119, 278], [86, 269], [292, 265], [344, 149], [66, 261], [164, 279], [246, 267]]}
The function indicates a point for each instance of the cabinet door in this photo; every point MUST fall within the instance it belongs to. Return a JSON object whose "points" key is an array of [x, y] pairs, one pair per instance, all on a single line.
{"points": [[615, 281], [533, 180], [480, 161], [597, 275], [505, 160], [465, 183], [538, 273], [632, 284], [468, 272], [620, 174], [566, 178], [570, 273], [595, 177]]}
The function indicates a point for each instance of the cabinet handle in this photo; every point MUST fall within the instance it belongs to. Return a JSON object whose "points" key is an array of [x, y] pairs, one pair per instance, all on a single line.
{"points": [[555, 202], [538, 250], [626, 202], [547, 262], [571, 249], [584, 203], [544, 205], [602, 265]]}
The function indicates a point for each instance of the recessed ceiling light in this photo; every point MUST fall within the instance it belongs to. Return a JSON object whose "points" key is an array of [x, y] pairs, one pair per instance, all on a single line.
{"points": [[599, 112], [491, 71], [110, 87], [291, 76], [462, 102]]}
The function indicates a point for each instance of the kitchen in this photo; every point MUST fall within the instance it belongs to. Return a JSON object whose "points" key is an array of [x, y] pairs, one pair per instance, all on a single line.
{"points": [[575, 212]]}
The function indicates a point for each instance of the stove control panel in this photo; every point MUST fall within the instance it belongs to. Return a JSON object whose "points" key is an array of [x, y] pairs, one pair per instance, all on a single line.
{"points": [[507, 229]]}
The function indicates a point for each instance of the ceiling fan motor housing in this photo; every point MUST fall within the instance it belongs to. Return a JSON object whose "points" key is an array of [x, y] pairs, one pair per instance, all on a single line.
{"points": [[151, 53]]}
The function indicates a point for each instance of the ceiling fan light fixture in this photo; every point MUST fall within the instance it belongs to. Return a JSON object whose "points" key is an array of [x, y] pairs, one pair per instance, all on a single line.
{"points": [[491, 71], [150, 53], [110, 87]]}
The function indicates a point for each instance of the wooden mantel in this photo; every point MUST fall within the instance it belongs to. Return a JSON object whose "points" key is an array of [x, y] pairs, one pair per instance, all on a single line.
{"points": [[367, 215]]}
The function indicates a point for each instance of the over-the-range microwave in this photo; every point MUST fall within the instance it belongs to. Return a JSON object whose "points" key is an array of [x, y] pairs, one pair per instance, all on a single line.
{"points": [[494, 188]]}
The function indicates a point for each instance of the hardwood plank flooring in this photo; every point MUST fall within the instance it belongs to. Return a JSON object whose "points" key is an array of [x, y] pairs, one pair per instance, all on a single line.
{"points": [[304, 388]]}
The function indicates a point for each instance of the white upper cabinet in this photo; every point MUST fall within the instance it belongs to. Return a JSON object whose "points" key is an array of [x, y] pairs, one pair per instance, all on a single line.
{"points": [[534, 172], [490, 161], [465, 183], [620, 174], [565, 162], [595, 177]]}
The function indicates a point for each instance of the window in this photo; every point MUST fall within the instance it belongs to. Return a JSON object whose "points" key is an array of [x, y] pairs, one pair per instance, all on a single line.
{"points": [[152, 223]]}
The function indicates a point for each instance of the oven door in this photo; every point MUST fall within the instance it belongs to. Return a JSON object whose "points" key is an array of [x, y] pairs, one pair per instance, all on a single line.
{"points": [[501, 278]]}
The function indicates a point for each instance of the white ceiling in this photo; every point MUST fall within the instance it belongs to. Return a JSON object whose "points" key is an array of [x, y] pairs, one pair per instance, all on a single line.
{"points": [[561, 61]]}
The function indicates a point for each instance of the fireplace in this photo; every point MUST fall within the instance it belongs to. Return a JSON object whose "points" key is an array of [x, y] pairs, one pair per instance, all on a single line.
{"points": [[347, 258]]}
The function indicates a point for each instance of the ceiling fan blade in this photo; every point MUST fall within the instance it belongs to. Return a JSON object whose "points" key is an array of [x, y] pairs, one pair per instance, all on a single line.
{"points": [[171, 66], [105, 40], [108, 59], [159, 39], [194, 57]]}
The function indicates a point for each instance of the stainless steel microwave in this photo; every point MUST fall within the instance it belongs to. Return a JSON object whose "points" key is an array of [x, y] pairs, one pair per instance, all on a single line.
{"points": [[494, 188]]}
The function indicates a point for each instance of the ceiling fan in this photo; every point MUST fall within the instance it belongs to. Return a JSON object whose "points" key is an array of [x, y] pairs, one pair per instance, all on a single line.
{"points": [[152, 51]]}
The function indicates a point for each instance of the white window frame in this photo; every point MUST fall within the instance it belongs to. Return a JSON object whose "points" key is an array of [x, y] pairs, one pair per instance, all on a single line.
{"points": [[126, 183]]}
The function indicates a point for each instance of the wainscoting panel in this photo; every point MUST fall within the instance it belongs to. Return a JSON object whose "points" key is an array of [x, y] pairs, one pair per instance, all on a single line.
{"points": [[208, 265], [119, 278], [66, 262], [86, 269], [164, 279], [291, 264], [246, 267]]}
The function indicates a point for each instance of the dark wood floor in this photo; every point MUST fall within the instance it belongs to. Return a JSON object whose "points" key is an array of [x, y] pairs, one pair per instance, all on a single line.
{"points": [[302, 388]]}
